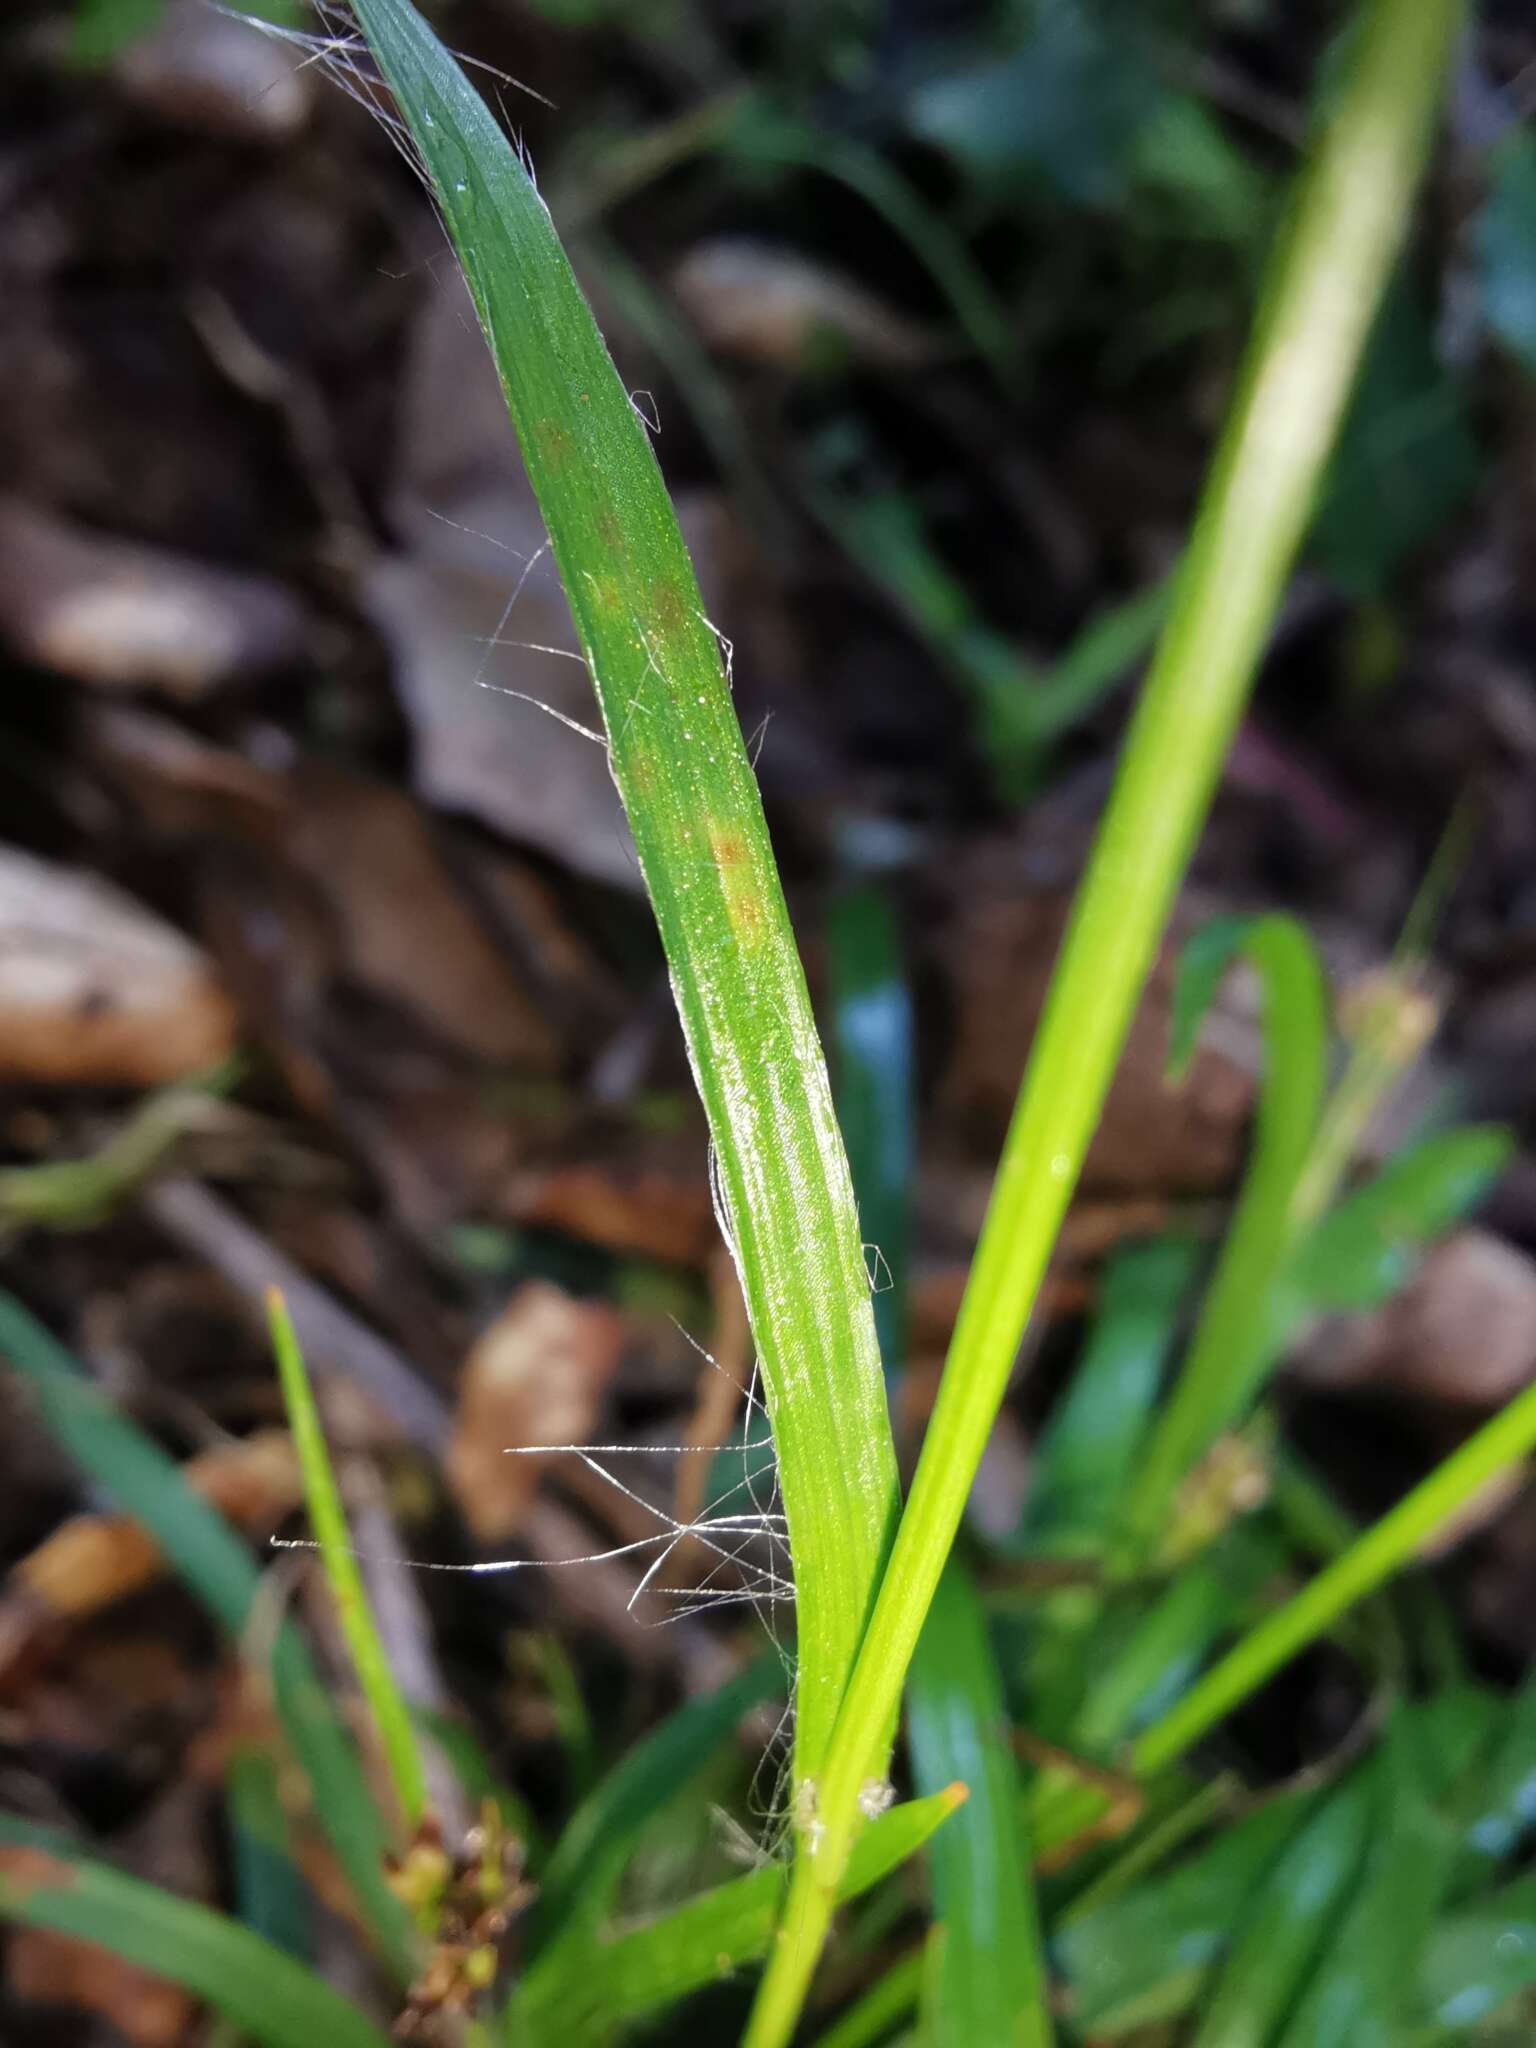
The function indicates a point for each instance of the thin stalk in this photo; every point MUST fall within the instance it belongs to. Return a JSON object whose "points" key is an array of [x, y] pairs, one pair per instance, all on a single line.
{"points": [[387, 1710], [679, 761], [1384, 1549], [1357, 1574], [1322, 292]]}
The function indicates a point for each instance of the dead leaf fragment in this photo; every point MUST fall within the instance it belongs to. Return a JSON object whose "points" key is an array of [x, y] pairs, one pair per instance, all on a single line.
{"points": [[472, 610], [94, 989], [110, 612], [54, 1969], [1153, 1138], [94, 1559], [204, 70], [406, 929], [770, 305], [1462, 1330], [536, 1376]]}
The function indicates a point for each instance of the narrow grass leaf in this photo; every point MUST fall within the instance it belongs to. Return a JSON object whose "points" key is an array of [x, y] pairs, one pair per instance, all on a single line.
{"points": [[873, 1058], [1324, 285], [44, 1882], [681, 767], [1504, 1810], [1361, 1993], [1143, 1957], [764, 134], [1382, 1550], [270, 1896], [1285, 1925], [1234, 1336], [708, 1937], [1174, 1634], [988, 1982], [387, 1710], [1479, 1957], [205, 1553], [1363, 1250], [1089, 1445], [576, 1886]]}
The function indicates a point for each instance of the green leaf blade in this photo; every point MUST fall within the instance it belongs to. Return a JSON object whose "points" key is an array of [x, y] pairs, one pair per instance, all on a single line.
{"points": [[210, 1559], [266, 1993], [681, 767]]}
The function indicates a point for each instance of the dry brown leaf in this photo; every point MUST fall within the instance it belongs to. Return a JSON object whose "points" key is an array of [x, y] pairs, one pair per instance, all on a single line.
{"points": [[92, 1560], [646, 1210], [536, 1376], [94, 989], [203, 70], [473, 536], [771, 305], [1462, 1330], [1153, 1139], [122, 616], [54, 1969], [406, 930]]}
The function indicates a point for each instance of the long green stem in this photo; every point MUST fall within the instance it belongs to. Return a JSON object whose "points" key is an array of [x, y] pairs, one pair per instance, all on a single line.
{"points": [[1384, 1549], [1354, 1575], [1322, 294], [387, 1711]]}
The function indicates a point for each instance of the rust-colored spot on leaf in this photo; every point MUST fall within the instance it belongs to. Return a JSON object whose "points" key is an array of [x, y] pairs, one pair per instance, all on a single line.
{"points": [[555, 444], [729, 848], [743, 904], [669, 606]]}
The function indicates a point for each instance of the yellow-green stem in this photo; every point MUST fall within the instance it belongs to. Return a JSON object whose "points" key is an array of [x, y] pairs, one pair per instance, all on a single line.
{"points": [[1323, 290]]}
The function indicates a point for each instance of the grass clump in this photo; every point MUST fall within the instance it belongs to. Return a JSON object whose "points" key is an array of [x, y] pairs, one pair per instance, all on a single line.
{"points": [[1066, 1677]]}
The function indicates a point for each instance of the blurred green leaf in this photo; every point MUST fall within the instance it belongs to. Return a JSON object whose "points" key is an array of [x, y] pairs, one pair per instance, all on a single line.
{"points": [[1503, 1809], [46, 1882], [1477, 1959], [1405, 462], [1182, 155], [577, 1885], [1143, 1957], [888, 2001], [101, 29], [1361, 1994], [270, 1896], [601, 1984], [1363, 1250], [1506, 247], [1132, 1683], [205, 1553], [762, 135], [872, 1080], [1090, 1442], [1062, 109], [987, 1982], [1285, 1924], [1234, 1345]]}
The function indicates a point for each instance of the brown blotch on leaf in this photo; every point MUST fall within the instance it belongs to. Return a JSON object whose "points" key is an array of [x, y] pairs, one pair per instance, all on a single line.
{"points": [[669, 607], [729, 849], [555, 444]]}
